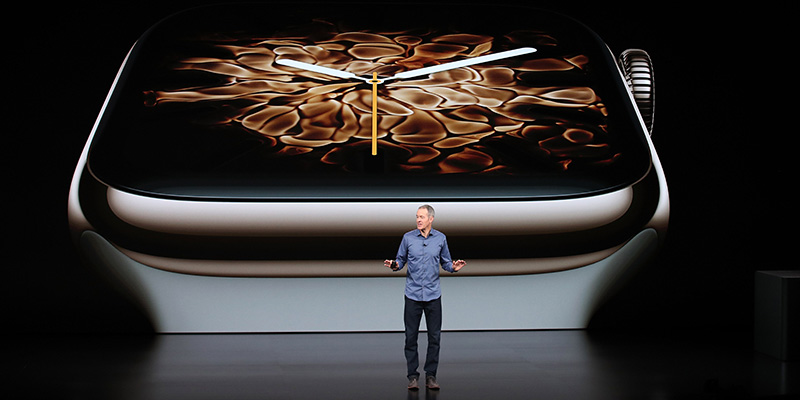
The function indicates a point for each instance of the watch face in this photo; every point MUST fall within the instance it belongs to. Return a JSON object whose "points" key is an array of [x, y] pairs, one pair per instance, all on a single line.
{"points": [[209, 105]]}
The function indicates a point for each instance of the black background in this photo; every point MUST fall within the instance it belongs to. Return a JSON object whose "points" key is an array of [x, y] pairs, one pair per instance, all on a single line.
{"points": [[722, 132]]}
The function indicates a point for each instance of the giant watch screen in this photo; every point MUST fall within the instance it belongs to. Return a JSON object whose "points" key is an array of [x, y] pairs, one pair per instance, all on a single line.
{"points": [[205, 107]]}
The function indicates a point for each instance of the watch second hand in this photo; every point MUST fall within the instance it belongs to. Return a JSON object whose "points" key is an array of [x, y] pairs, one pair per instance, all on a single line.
{"points": [[375, 82]]}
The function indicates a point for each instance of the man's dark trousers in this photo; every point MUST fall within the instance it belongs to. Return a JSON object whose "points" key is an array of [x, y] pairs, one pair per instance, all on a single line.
{"points": [[433, 320]]}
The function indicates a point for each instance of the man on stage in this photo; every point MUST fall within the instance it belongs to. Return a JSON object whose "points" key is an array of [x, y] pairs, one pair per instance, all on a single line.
{"points": [[423, 250]]}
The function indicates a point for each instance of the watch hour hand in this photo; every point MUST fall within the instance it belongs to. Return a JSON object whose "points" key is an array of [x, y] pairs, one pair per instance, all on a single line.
{"points": [[463, 63], [316, 68]]}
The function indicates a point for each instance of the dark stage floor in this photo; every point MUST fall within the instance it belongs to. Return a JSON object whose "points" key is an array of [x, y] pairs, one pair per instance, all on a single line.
{"points": [[474, 365]]}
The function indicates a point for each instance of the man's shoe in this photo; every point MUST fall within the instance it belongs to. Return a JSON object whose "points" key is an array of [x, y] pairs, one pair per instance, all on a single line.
{"points": [[430, 383], [413, 384]]}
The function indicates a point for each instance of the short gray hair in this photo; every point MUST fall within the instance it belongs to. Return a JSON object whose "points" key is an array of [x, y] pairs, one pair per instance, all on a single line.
{"points": [[431, 211]]}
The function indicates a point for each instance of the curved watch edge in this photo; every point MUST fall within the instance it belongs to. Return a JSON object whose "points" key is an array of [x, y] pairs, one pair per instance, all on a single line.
{"points": [[193, 303]]}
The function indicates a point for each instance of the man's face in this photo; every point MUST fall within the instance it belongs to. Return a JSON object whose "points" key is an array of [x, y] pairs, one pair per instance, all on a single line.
{"points": [[423, 220]]}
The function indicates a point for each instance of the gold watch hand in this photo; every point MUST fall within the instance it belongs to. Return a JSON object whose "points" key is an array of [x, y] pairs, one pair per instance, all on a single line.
{"points": [[375, 82]]}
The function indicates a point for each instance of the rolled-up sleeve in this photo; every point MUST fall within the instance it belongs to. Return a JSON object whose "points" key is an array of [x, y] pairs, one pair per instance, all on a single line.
{"points": [[402, 254], [445, 259]]}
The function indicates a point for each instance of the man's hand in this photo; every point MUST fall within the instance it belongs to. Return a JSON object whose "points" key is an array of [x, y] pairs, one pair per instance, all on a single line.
{"points": [[458, 264], [390, 264]]}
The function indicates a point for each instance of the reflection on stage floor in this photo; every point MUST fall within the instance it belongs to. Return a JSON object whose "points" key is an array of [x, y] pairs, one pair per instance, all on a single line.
{"points": [[571, 364]]}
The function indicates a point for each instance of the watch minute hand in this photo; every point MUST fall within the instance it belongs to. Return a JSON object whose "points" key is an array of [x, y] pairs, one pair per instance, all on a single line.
{"points": [[463, 63]]}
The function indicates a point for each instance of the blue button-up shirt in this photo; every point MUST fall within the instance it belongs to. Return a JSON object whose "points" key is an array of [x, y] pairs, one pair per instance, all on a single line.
{"points": [[423, 257]]}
